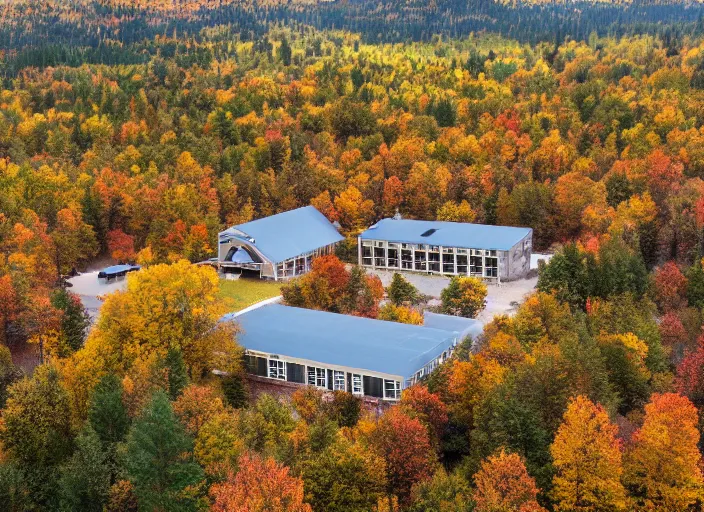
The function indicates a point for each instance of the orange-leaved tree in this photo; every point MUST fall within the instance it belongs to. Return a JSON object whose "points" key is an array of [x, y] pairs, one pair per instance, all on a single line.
{"points": [[503, 483], [663, 464], [260, 485]]}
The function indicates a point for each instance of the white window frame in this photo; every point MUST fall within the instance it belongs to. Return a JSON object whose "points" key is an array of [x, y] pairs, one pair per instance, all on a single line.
{"points": [[395, 392], [338, 380], [277, 369], [357, 384], [317, 377]]}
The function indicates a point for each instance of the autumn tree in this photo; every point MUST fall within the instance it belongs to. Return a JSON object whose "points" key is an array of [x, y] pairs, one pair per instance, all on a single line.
{"points": [[464, 296], [260, 485], [344, 409], [445, 491], [329, 286], [344, 477], [74, 241], [670, 286], [218, 445], [121, 246], [456, 212], [404, 444], [428, 408], [663, 463], [196, 406], [36, 431], [165, 307], [587, 459], [401, 314], [503, 483]]}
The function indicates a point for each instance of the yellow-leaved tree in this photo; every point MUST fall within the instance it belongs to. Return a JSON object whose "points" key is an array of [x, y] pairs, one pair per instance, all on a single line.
{"points": [[165, 310], [587, 457]]}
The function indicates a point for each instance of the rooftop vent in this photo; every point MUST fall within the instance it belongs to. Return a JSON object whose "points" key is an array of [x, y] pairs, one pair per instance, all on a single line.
{"points": [[429, 232]]}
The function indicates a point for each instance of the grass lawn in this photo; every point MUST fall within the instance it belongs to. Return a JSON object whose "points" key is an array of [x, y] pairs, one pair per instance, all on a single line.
{"points": [[244, 292]]}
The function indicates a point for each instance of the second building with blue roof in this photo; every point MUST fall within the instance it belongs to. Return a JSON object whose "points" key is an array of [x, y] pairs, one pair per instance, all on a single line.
{"points": [[492, 253], [363, 356]]}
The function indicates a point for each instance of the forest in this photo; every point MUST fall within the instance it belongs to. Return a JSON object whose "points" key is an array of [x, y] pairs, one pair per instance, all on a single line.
{"points": [[589, 398]]}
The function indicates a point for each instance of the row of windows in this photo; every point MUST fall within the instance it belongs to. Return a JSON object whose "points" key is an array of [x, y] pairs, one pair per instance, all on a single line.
{"points": [[333, 380], [301, 264], [429, 248], [450, 263]]}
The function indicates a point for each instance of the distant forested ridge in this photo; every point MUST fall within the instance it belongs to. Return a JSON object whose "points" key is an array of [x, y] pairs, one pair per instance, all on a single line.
{"points": [[48, 32]]}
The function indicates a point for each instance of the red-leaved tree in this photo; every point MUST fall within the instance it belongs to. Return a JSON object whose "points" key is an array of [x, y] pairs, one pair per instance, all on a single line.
{"points": [[404, 444]]}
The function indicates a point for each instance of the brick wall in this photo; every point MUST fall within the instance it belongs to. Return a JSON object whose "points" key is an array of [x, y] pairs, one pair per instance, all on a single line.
{"points": [[260, 385]]}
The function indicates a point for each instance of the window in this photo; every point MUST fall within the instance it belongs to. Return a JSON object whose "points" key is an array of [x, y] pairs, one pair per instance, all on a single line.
{"points": [[338, 380], [406, 259], [434, 259], [393, 255], [317, 377], [448, 262], [380, 256], [367, 253], [257, 365], [462, 264], [300, 265], [277, 369], [492, 267], [373, 386], [476, 265], [392, 389], [357, 388], [420, 260], [296, 373]]}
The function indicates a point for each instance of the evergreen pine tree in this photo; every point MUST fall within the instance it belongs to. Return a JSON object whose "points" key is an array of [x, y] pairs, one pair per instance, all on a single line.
{"points": [[178, 373], [107, 414], [401, 290], [159, 461], [74, 320], [695, 285], [85, 479], [234, 387]]}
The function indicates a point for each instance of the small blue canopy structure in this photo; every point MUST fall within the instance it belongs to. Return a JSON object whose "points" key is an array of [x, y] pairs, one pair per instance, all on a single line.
{"points": [[386, 347], [286, 235], [117, 271], [446, 234]]}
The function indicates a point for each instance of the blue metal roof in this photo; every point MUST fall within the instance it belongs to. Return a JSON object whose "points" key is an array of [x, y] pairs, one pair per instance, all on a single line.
{"points": [[464, 326], [329, 338], [447, 234], [289, 234]]}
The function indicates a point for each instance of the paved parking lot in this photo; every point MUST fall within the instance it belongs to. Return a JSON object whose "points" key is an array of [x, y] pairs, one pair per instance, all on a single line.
{"points": [[501, 299]]}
